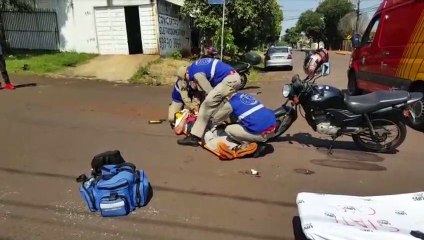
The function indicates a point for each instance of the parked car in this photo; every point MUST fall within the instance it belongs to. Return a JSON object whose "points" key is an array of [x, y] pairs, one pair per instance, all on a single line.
{"points": [[278, 57], [390, 53], [291, 50]]}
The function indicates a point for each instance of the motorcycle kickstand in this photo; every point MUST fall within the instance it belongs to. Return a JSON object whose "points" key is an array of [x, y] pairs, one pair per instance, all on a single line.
{"points": [[330, 149]]}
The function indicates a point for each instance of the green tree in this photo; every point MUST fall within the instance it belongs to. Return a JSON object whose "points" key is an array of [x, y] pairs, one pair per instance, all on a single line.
{"points": [[292, 36], [230, 48], [312, 24], [347, 24], [333, 11], [15, 5], [253, 22]]}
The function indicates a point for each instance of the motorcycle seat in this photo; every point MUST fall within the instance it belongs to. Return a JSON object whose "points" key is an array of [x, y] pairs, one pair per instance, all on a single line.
{"points": [[241, 67], [372, 102]]}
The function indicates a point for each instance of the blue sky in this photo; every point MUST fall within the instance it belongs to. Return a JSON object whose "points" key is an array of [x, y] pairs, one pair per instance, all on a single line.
{"points": [[293, 8]]}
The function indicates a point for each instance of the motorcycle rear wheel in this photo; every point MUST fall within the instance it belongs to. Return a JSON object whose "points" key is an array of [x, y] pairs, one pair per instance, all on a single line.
{"points": [[379, 143]]}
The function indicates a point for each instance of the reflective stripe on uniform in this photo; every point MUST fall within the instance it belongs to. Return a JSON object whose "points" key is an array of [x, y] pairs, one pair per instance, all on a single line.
{"points": [[213, 69], [176, 88], [250, 111]]}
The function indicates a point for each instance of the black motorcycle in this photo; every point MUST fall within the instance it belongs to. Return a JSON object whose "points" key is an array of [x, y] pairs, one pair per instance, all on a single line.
{"points": [[243, 70], [375, 121]]}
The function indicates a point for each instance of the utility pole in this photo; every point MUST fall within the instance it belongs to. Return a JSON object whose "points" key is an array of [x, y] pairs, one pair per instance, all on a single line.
{"points": [[222, 31], [357, 16]]}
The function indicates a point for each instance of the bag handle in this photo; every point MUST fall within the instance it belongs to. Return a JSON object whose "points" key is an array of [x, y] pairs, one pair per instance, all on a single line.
{"points": [[119, 168], [137, 190]]}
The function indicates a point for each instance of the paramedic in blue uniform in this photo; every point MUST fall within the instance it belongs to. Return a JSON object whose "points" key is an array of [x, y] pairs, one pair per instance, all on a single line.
{"points": [[255, 122], [218, 80], [181, 98]]}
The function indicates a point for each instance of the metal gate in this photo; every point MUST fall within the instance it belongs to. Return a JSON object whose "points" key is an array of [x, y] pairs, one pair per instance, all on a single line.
{"points": [[31, 30]]}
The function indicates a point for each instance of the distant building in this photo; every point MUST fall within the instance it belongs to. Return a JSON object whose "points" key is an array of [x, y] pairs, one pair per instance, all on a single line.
{"points": [[107, 26]]}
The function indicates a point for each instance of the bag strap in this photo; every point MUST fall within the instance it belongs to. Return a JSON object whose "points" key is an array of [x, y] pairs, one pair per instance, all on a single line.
{"points": [[137, 190]]}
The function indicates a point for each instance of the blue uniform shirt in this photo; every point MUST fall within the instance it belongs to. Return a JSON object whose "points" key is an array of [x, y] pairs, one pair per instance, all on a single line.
{"points": [[254, 116], [176, 95], [214, 70]]}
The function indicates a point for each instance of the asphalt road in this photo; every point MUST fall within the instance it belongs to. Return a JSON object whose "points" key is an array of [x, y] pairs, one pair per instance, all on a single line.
{"points": [[51, 131]]}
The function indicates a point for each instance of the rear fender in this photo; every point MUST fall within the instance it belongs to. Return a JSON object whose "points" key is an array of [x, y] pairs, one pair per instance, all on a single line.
{"points": [[396, 111], [415, 97]]}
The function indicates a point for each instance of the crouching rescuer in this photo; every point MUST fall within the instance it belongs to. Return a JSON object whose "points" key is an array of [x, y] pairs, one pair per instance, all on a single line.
{"points": [[255, 124], [183, 97]]}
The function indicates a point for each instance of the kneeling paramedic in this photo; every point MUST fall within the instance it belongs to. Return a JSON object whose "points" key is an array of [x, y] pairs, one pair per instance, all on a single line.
{"points": [[182, 97], [218, 80], [255, 124]]}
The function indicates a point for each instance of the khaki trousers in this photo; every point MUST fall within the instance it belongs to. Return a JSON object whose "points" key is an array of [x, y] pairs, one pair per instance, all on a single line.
{"points": [[174, 107], [213, 100], [239, 134]]}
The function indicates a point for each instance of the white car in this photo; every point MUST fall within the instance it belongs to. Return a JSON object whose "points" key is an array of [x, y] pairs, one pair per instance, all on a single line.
{"points": [[278, 57]]}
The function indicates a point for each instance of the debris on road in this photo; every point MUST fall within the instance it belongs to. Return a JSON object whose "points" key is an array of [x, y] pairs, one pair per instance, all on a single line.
{"points": [[304, 171], [157, 121], [252, 172]]}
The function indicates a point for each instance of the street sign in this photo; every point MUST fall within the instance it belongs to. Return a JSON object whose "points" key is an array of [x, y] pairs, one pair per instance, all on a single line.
{"points": [[216, 1]]}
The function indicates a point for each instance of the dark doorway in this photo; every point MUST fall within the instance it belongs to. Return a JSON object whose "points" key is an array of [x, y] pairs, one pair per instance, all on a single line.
{"points": [[132, 20]]}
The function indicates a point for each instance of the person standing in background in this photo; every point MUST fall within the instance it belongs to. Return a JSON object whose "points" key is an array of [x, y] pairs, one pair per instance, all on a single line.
{"points": [[3, 71]]}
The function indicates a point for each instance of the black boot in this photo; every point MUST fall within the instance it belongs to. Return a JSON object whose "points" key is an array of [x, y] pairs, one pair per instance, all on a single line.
{"points": [[189, 141], [263, 149]]}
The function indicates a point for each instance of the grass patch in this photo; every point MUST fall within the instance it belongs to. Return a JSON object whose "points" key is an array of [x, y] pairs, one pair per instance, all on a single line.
{"points": [[159, 72], [254, 76], [38, 62], [163, 71]]}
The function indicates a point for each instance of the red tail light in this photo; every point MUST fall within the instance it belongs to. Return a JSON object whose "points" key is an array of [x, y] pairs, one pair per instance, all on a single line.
{"points": [[289, 57]]}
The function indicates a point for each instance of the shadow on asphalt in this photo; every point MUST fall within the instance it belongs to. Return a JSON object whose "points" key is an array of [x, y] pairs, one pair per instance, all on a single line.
{"points": [[345, 155], [162, 188], [272, 69], [130, 219], [251, 87], [26, 85]]}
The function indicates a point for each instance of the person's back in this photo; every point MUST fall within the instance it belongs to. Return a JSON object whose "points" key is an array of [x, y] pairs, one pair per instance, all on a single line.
{"points": [[252, 114], [213, 69]]}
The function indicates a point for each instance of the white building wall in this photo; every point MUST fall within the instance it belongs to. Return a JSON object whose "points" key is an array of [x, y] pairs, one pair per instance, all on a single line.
{"points": [[77, 24], [149, 26]]}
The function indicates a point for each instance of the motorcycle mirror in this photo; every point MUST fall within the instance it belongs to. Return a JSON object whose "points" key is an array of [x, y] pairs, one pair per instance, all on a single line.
{"points": [[325, 71]]}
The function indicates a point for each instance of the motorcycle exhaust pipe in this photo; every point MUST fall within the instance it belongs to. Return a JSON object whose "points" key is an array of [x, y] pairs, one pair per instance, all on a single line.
{"points": [[353, 130]]}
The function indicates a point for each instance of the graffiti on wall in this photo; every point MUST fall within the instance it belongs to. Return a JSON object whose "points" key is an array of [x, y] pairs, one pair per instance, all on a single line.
{"points": [[174, 32]]}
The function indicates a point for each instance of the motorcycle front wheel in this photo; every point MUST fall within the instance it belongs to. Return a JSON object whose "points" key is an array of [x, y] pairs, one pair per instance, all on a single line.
{"points": [[243, 79], [283, 123], [390, 134]]}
